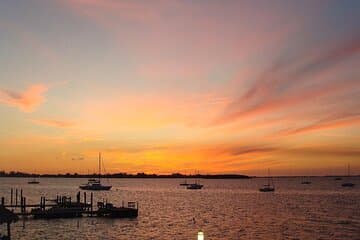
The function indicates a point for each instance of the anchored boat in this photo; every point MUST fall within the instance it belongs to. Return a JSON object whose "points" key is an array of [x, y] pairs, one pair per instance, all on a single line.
{"points": [[109, 210], [269, 187], [194, 186], [34, 181], [95, 184], [348, 184]]}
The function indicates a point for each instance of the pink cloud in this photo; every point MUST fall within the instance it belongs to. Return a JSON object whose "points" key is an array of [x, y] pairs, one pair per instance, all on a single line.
{"points": [[27, 100], [290, 83]]}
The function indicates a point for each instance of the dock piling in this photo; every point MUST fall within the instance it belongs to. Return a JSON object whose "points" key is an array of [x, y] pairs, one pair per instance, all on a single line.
{"points": [[91, 204], [85, 200], [11, 198]]}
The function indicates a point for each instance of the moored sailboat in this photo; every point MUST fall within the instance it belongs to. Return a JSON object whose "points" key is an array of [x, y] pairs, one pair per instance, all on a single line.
{"points": [[95, 184], [269, 187], [348, 184]]}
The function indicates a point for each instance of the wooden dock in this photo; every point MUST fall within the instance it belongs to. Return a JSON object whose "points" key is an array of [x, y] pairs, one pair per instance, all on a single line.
{"points": [[65, 207]]}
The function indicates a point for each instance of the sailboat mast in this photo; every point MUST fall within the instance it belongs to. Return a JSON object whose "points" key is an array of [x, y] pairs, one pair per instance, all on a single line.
{"points": [[99, 166]]}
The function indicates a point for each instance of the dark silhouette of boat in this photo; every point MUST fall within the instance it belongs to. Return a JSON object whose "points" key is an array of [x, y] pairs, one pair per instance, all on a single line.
{"points": [[34, 181], [57, 212], [184, 183], [95, 184], [348, 184], [63, 208], [305, 182], [337, 178], [194, 186], [269, 187], [109, 210]]}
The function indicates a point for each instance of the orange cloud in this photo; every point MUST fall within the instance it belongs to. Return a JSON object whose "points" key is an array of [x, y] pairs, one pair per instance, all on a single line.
{"points": [[27, 100], [54, 123]]}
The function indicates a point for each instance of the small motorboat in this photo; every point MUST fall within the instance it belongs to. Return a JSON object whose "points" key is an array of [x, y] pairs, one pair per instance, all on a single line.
{"points": [[305, 182], [109, 210], [194, 186], [34, 181], [267, 188], [348, 184], [337, 178]]}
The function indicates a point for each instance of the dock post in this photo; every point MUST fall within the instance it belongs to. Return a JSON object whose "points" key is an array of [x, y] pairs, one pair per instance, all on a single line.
{"points": [[91, 204], [24, 204], [16, 197], [11, 198], [78, 197], [21, 193], [85, 200], [2, 201], [8, 230]]}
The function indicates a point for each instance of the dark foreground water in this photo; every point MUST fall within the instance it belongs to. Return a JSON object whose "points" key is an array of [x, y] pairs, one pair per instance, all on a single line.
{"points": [[224, 209]]}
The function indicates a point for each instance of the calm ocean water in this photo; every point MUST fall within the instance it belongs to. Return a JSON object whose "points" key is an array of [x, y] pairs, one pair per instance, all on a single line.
{"points": [[224, 209]]}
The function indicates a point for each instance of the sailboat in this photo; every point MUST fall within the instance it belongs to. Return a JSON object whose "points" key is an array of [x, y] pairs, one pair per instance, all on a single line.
{"points": [[95, 184], [269, 187], [305, 181], [348, 184], [194, 186]]}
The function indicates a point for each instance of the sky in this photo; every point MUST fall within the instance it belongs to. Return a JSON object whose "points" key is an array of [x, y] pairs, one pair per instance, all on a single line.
{"points": [[163, 86]]}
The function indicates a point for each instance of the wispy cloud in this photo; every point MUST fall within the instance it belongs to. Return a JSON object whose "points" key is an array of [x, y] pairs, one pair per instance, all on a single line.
{"points": [[291, 82], [27, 100], [54, 123], [328, 123]]}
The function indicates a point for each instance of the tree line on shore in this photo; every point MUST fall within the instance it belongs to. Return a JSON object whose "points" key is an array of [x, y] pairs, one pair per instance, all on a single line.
{"points": [[122, 175]]}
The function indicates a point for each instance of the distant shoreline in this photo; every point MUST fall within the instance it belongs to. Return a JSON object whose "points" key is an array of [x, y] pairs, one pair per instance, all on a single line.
{"points": [[124, 175], [144, 175]]}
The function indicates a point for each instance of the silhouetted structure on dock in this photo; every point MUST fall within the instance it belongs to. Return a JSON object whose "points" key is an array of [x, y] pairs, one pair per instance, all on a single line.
{"points": [[8, 217], [65, 207]]}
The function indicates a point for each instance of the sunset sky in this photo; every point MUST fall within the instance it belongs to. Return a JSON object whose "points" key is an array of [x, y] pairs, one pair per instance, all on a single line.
{"points": [[180, 86]]}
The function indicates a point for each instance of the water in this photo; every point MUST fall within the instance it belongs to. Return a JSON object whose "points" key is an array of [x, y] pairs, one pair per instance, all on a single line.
{"points": [[224, 209]]}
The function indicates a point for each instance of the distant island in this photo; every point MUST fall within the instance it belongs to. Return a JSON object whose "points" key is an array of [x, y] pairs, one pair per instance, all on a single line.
{"points": [[124, 175]]}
